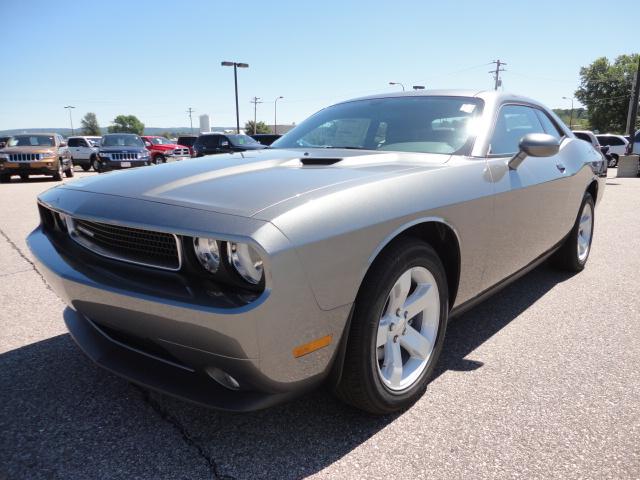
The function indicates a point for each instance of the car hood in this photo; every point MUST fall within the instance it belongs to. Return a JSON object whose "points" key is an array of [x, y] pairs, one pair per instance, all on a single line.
{"points": [[27, 149], [246, 183], [117, 149]]}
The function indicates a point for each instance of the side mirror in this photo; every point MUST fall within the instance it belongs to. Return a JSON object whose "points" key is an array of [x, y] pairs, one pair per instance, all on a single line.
{"points": [[147, 144], [535, 145], [63, 144]]}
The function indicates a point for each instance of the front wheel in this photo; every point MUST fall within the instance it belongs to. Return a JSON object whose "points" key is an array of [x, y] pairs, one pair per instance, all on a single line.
{"points": [[397, 330], [69, 173], [85, 167], [58, 175], [614, 161], [574, 253], [95, 163]]}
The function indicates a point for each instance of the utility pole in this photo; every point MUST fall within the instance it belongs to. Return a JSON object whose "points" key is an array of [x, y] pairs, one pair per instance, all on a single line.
{"points": [[255, 101], [190, 111], [633, 108], [70, 107], [275, 115], [496, 73]]}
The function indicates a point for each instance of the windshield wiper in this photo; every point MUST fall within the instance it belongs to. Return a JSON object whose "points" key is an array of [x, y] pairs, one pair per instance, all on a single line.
{"points": [[344, 148]]}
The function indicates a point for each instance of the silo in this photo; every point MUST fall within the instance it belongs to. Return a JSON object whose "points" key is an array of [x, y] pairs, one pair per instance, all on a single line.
{"points": [[205, 123]]}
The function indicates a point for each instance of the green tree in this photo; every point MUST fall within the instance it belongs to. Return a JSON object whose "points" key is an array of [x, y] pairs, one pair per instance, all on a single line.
{"points": [[580, 117], [261, 127], [90, 124], [126, 124], [605, 89]]}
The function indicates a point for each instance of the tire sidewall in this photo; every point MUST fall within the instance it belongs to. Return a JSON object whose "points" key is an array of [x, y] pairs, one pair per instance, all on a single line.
{"points": [[576, 229]]}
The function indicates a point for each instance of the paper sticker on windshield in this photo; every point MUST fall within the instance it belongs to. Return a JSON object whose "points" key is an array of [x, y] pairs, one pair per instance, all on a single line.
{"points": [[467, 107]]}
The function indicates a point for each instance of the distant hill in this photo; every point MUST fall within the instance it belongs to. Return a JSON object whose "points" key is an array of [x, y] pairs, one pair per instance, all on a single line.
{"points": [[65, 132]]}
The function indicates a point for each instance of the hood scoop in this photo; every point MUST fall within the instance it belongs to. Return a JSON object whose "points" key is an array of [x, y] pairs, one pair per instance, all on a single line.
{"points": [[319, 161]]}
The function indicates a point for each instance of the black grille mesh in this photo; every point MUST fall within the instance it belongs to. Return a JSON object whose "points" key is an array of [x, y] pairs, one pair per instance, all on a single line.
{"points": [[156, 249]]}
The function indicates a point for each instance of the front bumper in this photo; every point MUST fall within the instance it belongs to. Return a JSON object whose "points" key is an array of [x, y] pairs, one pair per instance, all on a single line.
{"points": [[165, 335], [30, 168], [120, 164]]}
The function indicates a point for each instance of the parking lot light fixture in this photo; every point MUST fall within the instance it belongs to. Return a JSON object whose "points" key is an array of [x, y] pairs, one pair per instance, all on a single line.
{"points": [[235, 66], [275, 115], [397, 83], [571, 116], [71, 107]]}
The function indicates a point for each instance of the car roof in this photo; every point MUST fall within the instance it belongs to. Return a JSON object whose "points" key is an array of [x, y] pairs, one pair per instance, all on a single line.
{"points": [[482, 94], [34, 133]]}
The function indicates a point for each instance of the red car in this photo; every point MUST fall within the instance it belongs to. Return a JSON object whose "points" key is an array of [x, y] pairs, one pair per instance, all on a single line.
{"points": [[162, 149]]}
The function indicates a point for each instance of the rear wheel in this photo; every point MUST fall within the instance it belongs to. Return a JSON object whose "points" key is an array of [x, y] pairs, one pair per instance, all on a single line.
{"points": [[69, 173], [397, 329], [574, 253], [614, 161], [158, 159], [85, 167]]}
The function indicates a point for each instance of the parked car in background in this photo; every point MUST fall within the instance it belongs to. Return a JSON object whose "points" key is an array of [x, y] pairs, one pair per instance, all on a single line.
{"points": [[35, 154], [337, 256], [121, 150], [187, 141], [636, 144], [215, 143], [617, 145], [265, 138], [83, 151], [590, 137], [163, 150], [3, 141]]}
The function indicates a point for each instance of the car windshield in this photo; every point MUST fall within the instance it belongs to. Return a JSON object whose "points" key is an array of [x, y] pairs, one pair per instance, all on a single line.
{"points": [[121, 141], [241, 140], [32, 141], [426, 124], [160, 141]]}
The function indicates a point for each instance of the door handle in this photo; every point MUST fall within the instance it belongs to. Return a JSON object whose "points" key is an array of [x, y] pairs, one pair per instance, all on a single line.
{"points": [[561, 167]]}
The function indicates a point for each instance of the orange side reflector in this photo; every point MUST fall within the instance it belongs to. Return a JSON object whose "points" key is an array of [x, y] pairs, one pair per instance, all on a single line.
{"points": [[312, 346]]}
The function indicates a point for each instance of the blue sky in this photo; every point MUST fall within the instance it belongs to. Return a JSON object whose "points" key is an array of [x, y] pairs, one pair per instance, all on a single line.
{"points": [[154, 59]]}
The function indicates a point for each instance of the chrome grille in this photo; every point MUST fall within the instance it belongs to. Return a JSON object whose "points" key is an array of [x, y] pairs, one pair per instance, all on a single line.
{"points": [[124, 156], [25, 157], [133, 245], [181, 152]]}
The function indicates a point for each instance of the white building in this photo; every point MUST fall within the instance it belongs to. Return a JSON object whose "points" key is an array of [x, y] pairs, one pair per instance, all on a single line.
{"points": [[205, 123]]}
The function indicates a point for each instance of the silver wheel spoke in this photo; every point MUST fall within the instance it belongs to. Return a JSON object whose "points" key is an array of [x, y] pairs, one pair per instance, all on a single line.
{"points": [[399, 292], [392, 366], [419, 300], [383, 330], [415, 343]]}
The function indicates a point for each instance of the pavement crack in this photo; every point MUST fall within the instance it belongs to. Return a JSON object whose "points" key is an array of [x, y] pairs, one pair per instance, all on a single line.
{"points": [[13, 245], [184, 433]]}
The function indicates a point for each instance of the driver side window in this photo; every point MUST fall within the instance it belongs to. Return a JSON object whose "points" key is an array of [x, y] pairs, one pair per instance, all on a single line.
{"points": [[513, 123]]}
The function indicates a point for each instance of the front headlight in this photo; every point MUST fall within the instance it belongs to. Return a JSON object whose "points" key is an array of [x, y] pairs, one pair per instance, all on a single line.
{"points": [[4, 156], [47, 154], [144, 154], [208, 253], [246, 262], [105, 155]]}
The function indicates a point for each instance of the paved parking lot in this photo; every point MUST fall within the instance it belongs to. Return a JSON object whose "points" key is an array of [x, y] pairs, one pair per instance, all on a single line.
{"points": [[541, 381]]}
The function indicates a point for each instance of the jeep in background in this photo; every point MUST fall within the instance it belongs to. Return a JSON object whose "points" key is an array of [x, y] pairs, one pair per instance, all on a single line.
{"points": [[187, 141], [35, 154], [162, 149], [213, 143], [121, 150], [83, 151]]}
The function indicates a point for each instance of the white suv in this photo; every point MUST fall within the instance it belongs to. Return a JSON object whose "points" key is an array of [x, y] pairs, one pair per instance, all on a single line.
{"points": [[617, 145], [83, 150]]}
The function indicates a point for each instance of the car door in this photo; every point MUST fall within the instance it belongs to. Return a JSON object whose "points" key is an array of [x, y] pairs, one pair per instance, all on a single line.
{"points": [[83, 149], [225, 145], [529, 201], [73, 147]]}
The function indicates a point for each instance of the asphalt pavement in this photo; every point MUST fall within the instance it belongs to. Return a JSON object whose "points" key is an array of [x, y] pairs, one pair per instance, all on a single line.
{"points": [[540, 381]]}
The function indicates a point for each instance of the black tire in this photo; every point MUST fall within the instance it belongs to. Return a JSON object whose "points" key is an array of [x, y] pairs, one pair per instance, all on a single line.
{"points": [[614, 161], [58, 175], [5, 178], [69, 172], [95, 164], [568, 257], [85, 168], [360, 384], [158, 159], [24, 176]]}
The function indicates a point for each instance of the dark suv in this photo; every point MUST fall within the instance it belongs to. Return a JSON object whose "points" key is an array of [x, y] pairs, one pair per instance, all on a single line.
{"points": [[121, 150], [187, 141], [212, 143]]}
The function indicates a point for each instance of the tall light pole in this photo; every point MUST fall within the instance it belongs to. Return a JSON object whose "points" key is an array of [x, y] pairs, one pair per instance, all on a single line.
{"points": [[397, 83], [235, 66], [275, 115], [571, 116], [190, 111], [70, 107]]}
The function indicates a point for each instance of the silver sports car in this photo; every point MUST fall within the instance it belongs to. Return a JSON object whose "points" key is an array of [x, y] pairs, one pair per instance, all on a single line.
{"points": [[337, 255]]}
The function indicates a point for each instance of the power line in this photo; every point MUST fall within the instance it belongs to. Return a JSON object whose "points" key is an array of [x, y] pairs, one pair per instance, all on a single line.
{"points": [[496, 73], [255, 101]]}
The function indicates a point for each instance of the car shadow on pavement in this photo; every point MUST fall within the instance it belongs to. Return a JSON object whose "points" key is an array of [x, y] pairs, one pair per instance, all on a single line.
{"points": [[62, 417]]}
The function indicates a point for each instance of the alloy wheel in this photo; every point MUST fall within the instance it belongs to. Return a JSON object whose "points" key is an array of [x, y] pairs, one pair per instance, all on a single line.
{"points": [[585, 230], [407, 329]]}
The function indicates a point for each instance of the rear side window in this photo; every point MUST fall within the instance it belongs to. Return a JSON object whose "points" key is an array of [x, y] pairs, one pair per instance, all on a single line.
{"points": [[514, 122], [73, 142], [209, 140], [548, 125]]}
